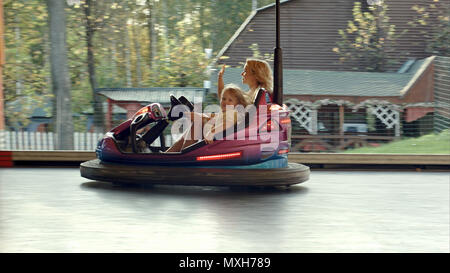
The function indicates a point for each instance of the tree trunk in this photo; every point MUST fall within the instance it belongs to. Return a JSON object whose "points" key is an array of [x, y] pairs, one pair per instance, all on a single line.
{"points": [[165, 32], [202, 20], [137, 49], [17, 36], [151, 22], [60, 75], [127, 56], [113, 60], [97, 102]]}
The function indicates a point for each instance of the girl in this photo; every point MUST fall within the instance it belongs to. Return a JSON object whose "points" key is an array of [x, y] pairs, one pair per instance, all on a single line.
{"points": [[212, 124], [257, 75]]}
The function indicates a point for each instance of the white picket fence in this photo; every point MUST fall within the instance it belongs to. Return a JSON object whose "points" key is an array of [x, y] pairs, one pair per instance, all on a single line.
{"points": [[85, 141]]}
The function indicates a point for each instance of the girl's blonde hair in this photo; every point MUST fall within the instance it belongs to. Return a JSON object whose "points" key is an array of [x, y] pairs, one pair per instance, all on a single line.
{"points": [[236, 92], [263, 73]]}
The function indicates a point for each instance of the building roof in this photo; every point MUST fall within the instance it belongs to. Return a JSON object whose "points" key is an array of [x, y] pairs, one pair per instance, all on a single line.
{"points": [[154, 94], [242, 28], [341, 83], [115, 109]]}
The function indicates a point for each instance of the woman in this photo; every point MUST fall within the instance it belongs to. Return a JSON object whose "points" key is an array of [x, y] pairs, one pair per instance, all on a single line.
{"points": [[257, 75]]}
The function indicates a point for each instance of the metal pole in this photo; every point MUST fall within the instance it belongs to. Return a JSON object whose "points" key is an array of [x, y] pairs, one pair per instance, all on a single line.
{"points": [[2, 63], [278, 64]]}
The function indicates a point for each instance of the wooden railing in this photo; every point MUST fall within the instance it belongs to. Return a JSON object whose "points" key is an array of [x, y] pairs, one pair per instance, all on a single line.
{"points": [[45, 141], [304, 158], [326, 143], [12, 140]]}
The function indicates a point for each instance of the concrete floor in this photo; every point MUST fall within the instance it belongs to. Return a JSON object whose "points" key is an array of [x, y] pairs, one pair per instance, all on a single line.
{"points": [[56, 210]]}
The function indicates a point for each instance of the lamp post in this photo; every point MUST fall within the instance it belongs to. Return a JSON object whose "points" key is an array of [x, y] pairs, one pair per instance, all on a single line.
{"points": [[2, 63], [278, 64]]}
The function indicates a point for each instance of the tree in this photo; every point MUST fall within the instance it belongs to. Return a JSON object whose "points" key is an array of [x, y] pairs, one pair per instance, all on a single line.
{"points": [[170, 36], [151, 23], [26, 73], [60, 74], [186, 63], [368, 39], [95, 16], [435, 29], [91, 26]]}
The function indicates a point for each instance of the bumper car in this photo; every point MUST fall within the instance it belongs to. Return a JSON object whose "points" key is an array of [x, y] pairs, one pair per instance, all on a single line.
{"points": [[253, 154]]}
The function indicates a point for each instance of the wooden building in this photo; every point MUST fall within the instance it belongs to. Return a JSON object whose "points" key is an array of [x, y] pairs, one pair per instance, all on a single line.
{"points": [[332, 106], [331, 109], [309, 32]]}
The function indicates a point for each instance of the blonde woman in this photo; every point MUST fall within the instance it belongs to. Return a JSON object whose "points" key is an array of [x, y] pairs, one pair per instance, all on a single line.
{"points": [[257, 75]]}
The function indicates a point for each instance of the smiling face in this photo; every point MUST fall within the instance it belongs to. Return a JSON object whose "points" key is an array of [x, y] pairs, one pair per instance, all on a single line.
{"points": [[228, 99]]}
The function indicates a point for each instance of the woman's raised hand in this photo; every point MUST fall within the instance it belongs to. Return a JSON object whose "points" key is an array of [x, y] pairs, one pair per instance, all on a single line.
{"points": [[220, 83], [222, 71]]}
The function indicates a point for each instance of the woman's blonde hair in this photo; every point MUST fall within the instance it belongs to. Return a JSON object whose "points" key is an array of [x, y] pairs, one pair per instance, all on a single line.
{"points": [[262, 72], [236, 92]]}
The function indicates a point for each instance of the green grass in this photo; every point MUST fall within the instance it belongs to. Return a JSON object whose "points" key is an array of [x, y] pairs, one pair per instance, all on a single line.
{"points": [[427, 144]]}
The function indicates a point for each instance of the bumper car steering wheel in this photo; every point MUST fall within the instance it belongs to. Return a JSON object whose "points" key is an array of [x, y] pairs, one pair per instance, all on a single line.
{"points": [[138, 122]]}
